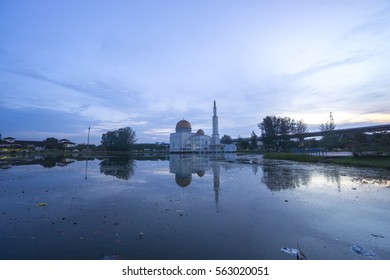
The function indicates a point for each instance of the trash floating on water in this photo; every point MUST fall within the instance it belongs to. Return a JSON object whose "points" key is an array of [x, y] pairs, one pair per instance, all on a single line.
{"points": [[41, 204], [141, 235], [291, 251], [363, 251], [294, 252], [377, 235]]}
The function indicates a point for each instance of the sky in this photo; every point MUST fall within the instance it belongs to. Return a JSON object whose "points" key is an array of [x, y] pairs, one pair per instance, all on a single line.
{"points": [[107, 64]]}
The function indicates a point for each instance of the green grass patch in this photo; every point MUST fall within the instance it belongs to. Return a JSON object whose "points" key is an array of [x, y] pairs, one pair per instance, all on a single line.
{"points": [[364, 161], [294, 157]]}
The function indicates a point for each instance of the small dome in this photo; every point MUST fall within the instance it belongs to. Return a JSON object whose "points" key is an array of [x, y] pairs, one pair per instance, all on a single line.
{"points": [[200, 132], [183, 126], [183, 180]]}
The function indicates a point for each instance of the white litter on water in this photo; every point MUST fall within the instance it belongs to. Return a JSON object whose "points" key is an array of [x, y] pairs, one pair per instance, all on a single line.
{"points": [[291, 251]]}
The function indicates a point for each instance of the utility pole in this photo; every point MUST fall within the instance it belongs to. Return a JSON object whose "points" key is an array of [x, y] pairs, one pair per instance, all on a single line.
{"points": [[89, 128]]}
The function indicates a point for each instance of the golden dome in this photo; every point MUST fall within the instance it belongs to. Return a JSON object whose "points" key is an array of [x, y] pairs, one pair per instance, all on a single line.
{"points": [[200, 132], [183, 126]]}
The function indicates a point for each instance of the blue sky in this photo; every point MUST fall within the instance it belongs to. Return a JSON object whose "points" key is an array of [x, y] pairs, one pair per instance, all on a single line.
{"points": [[67, 65]]}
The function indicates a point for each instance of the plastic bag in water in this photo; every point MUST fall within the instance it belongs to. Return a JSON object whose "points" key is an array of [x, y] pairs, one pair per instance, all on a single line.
{"points": [[363, 251], [291, 251], [294, 252]]}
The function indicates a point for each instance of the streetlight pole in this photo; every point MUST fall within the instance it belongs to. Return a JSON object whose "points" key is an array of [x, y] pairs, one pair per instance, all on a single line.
{"points": [[89, 128]]}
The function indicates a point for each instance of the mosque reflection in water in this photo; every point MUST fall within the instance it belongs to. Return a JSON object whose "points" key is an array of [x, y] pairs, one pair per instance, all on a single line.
{"points": [[184, 166], [276, 176]]}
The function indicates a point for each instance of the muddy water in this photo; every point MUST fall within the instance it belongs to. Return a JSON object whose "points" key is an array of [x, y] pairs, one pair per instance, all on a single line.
{"points": [[192, 207]]}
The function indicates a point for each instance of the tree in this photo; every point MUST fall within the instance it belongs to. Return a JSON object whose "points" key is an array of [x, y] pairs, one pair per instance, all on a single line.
{"points": [[359, 143], [122, 139], [242, 144], [51, 143], [330, 139], [377, 143], [226, 139], [254, 139], [274, 131], [329, 125], [300, 127]]}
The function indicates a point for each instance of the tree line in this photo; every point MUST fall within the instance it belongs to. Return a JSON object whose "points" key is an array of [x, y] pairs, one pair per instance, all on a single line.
{"points": [[275, 132]]}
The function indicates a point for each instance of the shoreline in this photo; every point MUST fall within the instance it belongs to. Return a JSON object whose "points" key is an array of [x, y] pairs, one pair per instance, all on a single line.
{"points": [[363, 161]]}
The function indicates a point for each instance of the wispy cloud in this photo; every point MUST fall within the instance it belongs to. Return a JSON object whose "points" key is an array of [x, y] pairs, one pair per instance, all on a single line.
{"points": [[150, 66]]}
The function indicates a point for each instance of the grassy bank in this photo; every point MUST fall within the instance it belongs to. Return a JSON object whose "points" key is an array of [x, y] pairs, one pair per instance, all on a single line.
{"points": [[294, 157], [366, 161]]}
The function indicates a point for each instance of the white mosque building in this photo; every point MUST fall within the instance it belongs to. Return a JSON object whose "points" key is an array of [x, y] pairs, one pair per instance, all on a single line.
{"points": [[185, 141]]}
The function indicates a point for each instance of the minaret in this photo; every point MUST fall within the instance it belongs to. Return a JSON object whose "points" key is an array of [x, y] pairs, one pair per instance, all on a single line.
{"points": [[215, 136]]}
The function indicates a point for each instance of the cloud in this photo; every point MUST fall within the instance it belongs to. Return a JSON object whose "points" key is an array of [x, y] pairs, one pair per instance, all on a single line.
{"points": [[159, 131], [148, 66]]}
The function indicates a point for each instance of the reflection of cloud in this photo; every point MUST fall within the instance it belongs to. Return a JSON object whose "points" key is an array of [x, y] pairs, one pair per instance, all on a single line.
{"points": [[157, 172], [139, 181]]}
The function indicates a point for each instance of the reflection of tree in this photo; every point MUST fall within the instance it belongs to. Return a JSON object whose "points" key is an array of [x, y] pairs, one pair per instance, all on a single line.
{"points": [[332, 175], [277, 177], [51, 161], [255, 168], [120, 167]]}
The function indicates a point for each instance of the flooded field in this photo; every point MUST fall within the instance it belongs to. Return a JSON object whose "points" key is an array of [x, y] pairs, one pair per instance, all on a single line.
{"points": [[191, 207]]}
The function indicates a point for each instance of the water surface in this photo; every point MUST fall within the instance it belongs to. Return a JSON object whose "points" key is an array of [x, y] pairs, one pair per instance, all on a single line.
{"points": [[192, 207]]}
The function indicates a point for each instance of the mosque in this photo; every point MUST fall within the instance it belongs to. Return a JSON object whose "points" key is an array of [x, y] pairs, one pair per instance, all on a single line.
{"points": [[185, 141]]}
